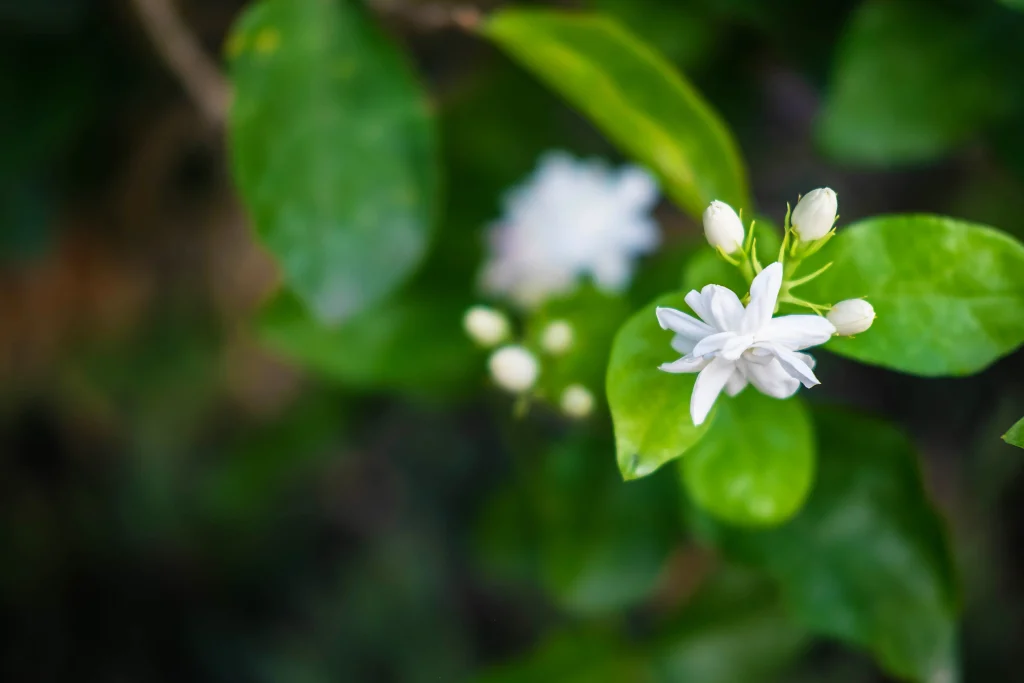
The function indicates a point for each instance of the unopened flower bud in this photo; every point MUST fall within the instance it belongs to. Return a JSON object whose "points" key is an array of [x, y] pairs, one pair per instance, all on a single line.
{"points": [[577, 401], [815, 213], [486, 326], [723, 227], [513, 368], [557, 337], [852, 316]]}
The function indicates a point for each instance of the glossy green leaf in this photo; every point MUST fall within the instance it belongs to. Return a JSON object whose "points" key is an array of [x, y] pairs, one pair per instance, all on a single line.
{"points": [[633, 95], [650, 408], [866, 560], [413, 343], [1015, 436], [594, 543], [911, 80], [333, 151], [755, 465], [949, 295]]}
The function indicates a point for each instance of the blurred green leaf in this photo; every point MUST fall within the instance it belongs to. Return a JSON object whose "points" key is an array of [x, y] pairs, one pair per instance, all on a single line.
{"points": [[650, 408], [634, 96], [597, 544], [755, 465], [683, 33], [866, 560], [733, 631], [911, 81], [412, 343], [1015, 436], [334, 151], [595, 318], [949, 295]]}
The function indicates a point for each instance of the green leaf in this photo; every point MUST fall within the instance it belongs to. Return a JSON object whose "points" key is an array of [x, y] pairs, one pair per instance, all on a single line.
{"points": [[333, 151], [413, 343], [911, 81], [574, 657], [650, 408], [949, 295], [594, 543], [1015, 436], [634, 96], [866, 560], [755, 465]]}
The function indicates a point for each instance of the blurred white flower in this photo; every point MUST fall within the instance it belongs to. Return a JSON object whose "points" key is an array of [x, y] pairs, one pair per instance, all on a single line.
{"points": [[570, 219], [852, 316], [577, 401], [486, 326], [557, 337], [514, 368], [815, 213], [723, 227], [730, 346]]}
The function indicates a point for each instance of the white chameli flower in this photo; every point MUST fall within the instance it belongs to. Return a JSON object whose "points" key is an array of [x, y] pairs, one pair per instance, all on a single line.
{"points": [[723, 227], [815, 213], [577, 401], [852, 316], [513, 368], [730, 346], [486, 326], [570, 219], [557, 337]]}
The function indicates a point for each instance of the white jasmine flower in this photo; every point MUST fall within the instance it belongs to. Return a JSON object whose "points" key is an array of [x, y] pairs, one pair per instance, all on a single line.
{"points": [[815, 213], [513, 368], [723, 227], [569, 220], [730, 346], [577, 401], [852, 316], [486, 326], [557, 337]]}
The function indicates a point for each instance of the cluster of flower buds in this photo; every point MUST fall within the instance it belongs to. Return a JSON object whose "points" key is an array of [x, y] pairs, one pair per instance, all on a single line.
{"points": [[516, 369], [809, 226]]}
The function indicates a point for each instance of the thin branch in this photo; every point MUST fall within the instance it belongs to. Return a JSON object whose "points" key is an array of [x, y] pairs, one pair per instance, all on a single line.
{"points": [[181, 51]]}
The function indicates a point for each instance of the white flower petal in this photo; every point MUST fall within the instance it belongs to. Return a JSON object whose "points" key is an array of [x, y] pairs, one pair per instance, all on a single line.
{"points": [[713, 343], [737, 382], [683, 345], [695, 301], [734, 348], [764, 293], [808, 358], [794, 364], [708, 386], [771, 379], [723, 306], [682, 324], [685, 364], [797, 332]]}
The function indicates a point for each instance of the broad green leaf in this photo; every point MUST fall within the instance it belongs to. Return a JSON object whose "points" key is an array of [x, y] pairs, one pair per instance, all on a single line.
{"points": [[1015, 436], [633, 95], [412, 343], [333, 151], [866, 559], [755, 465], [574, 657], [949, 295], [911, 81], [594, 543], [650, 408]]}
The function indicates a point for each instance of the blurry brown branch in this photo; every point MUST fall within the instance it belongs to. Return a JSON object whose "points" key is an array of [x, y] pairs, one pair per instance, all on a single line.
{"points": [[179, 48], [429, 16]]}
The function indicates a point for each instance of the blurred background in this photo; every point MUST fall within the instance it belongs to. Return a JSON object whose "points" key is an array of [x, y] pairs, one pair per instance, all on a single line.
{"points": [[179, 501]]}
